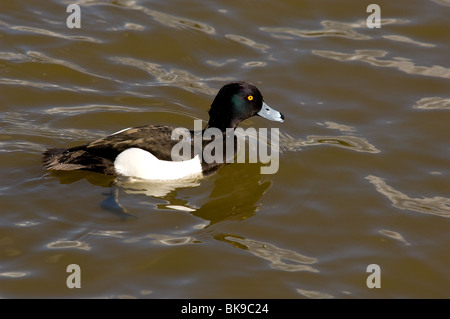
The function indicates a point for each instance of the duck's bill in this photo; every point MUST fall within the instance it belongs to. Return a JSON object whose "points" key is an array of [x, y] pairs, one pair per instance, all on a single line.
{"points": [[270, 114]]}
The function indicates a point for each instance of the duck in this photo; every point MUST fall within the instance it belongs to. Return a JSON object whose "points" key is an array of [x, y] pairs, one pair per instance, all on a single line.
{"points": [[145, 152]]}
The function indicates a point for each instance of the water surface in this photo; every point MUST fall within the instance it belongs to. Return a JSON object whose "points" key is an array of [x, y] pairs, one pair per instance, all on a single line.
{"points": [[363, 171]]}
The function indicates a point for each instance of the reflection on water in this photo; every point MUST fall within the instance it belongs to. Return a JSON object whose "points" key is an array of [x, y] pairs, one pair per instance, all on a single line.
{"points": [[232, 197], [74, 176], [439, 206], [154, 187], [280, 259]]}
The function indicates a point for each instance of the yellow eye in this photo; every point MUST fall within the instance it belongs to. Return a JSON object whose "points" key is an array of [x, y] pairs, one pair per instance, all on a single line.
{"points": [[250, 97]]}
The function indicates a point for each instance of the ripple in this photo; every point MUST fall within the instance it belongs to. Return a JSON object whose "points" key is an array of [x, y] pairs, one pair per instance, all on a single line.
{"points": [[133, 26], [439, 206], [393, 235], [336, 29], [34, 30], [220, 63], [330, 29], [27, 223], [177, 77], [277, 256], [19, 146], [109, 233], [38, 57], [165, 19], [14, 274], [372, 57], [164, 239], [63, 244], [84, 109], [34, 56], [400, 38], [336, 126], [175, 241], [180, 22], [254, 64], [42, 58], [154, 238], [173, 21], [314, 294], [12, 56], [443, 2], [42, 85], [247, 42], [358, 144], [433, 103], [14, 125]]}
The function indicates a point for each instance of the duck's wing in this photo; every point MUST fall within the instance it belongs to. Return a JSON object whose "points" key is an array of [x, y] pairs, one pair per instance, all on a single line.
{"points": [[99, 155], [154, 139]]}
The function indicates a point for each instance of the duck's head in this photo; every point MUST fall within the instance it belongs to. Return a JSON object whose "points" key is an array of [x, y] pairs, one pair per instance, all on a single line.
{"points": [[236, 102]]}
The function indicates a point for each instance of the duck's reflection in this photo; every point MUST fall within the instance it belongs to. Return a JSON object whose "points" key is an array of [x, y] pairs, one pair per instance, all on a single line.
{"points": [[234, 195], [155, 188]]}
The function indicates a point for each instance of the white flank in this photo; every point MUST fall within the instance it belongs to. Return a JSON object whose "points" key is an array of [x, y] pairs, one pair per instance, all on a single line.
{"points": [[139, 163]]}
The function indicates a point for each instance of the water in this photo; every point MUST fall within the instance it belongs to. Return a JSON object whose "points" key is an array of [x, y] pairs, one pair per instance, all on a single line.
{"points": [[363, 172]]}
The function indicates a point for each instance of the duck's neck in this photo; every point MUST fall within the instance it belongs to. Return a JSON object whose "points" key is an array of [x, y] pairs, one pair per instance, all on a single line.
{"points": [[223, 122], [221, 126]]}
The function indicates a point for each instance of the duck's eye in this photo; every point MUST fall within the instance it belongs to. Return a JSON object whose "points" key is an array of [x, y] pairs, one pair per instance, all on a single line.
{"points": [[250, 97]]}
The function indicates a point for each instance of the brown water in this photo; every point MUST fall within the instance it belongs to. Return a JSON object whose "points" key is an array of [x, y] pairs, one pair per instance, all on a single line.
{"points": [[363, 174]]}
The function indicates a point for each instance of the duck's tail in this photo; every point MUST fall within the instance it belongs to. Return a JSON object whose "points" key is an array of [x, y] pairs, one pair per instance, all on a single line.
{"points": [[59, 159], [77, 158]]}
